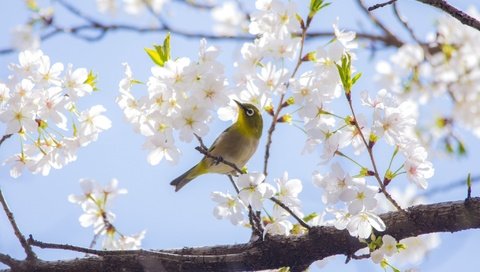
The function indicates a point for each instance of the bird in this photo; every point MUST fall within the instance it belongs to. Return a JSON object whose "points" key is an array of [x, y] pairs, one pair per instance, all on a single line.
{"points": [[236, 145]]}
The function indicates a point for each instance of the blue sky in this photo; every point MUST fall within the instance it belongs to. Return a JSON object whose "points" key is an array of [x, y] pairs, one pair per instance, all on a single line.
{"points": [[181, 219]]}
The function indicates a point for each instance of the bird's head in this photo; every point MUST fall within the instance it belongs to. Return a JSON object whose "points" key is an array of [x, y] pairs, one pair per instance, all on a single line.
{"points": [[249, 119]]}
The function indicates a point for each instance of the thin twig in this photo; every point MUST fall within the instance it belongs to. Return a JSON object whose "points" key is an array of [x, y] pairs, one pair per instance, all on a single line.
{"points": [[77, 12], [381, 5], [85, 250], [26, 247], [356, 257], [108, 28], [404, 22], [154, 14], [94, 240], [234, 184], [255, 222], [204, 150], [281, 105], [377, 22], [469, 187], [158, 253], [5, 137], [450, 186], [286, 208], [370, 154], [196, 5]]}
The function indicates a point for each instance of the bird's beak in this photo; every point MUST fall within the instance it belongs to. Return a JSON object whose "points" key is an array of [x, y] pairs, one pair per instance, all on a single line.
{"points": [[238, 103]]}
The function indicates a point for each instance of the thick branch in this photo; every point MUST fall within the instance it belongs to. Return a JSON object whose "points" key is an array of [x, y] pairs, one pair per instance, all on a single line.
{"points": [[453, 11], [6, 259], [277, 251], [443, 5]]}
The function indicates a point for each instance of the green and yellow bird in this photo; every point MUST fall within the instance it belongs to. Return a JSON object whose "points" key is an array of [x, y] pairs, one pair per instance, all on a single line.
{"points": [[236, 144]]}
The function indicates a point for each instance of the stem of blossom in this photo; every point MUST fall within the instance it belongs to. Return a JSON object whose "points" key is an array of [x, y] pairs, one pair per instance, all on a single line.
{"points": [[280, 104], [350, 159], [234, 184], [26, 246], [252, 217], [94, 240], [286, 208], [372, 159]]}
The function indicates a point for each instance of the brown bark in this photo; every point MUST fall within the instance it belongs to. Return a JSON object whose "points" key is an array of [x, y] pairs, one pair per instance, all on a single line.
{"points": [[295, 252]]}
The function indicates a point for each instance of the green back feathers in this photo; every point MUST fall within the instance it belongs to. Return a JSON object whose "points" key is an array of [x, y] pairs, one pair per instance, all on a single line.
{"points": [[236, 144]]}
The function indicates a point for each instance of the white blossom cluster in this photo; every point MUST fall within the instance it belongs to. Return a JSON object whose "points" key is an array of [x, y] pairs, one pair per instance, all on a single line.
{"points": [[391, 121], [253, 190], [183, 93], [414, 249], [39, 106], [261, 73], [95, 202], [450, 70], [360, 199], [182, 96]]}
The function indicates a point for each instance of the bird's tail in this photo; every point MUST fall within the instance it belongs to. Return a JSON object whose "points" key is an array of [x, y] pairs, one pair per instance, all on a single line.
{"points": [[186, 177]]}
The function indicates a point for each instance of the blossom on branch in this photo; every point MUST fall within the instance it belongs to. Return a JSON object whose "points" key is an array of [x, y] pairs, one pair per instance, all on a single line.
{"points": [[37, 103]]}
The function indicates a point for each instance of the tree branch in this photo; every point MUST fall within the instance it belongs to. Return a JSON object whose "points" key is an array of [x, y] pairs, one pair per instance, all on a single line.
{"points": [[377, 22], [443, 5], [453, 11], [5, 137], [451, 185], [286, 208], [381, 5], [26, 247], [6, 259], [404, 22], [278, 251]]}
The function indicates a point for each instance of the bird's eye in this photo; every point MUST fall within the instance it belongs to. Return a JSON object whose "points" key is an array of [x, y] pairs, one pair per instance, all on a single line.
{"points": [[249, 112]]}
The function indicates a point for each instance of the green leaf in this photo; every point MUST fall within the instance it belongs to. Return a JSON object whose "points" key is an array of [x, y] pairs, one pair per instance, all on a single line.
{"points": [[317, 5], [461, 149], [166, 47], [91, 80], [356, 77], [134, 81], [75, 130], [310, 217], [469, 181], [153, 54], [160, 53], [448, 146]]}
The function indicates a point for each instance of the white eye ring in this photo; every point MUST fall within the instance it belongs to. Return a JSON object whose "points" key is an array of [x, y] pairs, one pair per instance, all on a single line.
{"points": [[249, 112]]}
